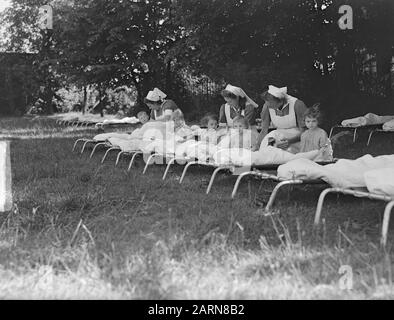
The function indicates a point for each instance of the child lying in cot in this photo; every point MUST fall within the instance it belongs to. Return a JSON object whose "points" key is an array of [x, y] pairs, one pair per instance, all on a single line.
{"points": [[213, 139], [143, 117], [176, 132], [207, 139]]}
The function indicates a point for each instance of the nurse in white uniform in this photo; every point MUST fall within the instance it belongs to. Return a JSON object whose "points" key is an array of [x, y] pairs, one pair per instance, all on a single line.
{"points": [[237, 103], [286, 114]]}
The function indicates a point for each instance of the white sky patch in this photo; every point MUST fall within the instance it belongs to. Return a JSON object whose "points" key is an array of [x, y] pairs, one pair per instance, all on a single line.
{"points": [[4, 4]]}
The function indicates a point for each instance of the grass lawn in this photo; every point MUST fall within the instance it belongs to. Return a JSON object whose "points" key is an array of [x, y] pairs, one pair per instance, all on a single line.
{"points": [[83, 230]]}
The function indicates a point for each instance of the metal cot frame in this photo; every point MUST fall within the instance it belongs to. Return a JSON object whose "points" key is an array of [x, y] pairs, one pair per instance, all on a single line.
{"points": [[281, 183], [354, 129], [360, 194], [377, 131]]}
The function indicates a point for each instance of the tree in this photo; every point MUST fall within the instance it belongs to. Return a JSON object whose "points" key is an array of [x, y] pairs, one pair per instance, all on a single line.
{"points": [[297, 43]]}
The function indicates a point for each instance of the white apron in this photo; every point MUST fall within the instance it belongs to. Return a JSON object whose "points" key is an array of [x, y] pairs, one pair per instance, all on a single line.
{"points": [[286, 126], [160, 113], [227, 112]]}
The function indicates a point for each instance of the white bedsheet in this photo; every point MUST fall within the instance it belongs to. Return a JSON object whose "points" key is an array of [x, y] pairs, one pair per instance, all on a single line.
{"points": [[131, 120], [106, 136], [380, 181], [343, 174], [127, 144], [280, 134], [388, 126], [368, 119], [265, 156]]}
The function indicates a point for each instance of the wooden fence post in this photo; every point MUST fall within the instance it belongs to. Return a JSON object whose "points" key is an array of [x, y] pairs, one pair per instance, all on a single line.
{"points": [[5, 177]]}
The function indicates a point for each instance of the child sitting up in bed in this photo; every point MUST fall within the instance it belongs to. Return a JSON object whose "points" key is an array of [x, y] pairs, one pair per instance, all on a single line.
{"points": [[315, 138], [182, 131], [210, 131], [240, 136]]}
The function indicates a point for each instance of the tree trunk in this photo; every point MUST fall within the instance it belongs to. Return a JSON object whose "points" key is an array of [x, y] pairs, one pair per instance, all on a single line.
{"points": [[101, 102], [85, 99], [168, 85], [345, 77]]}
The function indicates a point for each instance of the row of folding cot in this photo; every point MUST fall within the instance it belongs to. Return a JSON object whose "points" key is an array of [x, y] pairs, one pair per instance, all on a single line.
{"points": [[262, 172], [372, 130], [76, 123]]}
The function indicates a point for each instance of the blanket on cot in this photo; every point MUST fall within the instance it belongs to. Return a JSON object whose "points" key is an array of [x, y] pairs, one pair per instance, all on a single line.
{"points": [[130, 120], [368, 119], [149, 131], [374, 173], [265, 156], [388, 126], [204, 151], [154, 137], [106, 136]]}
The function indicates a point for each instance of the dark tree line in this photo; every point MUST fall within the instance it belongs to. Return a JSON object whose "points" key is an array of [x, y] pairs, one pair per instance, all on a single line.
{"points": [[249, 43]]}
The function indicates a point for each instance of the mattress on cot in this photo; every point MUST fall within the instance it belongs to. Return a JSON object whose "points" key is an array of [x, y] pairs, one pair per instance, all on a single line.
{"points": [[369, 119], [388, 126], [265, 156], [374, 173], [107, 136], [126, 120], [126, 145]]}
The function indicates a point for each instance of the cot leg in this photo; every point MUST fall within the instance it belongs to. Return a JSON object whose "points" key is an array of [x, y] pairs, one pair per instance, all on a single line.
{"points": [[76, 142], [168, 167], [236, 185], [331, 132], [85, 144], [107, 152], [118, 157], [370, 137], [276, 189], [354, 135], [320, 204], [386, 220], [148, 162], [185, 170], [215, 172], [95, 147], [132, 160]]}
